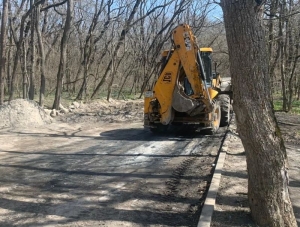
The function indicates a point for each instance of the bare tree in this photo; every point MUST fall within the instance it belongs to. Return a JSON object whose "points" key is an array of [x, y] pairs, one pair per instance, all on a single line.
{"points": [[265, 151], [102, 31], [2, 48], [129, 23], [90, 42], [271, 23], [18, 43], [42, 57], [119, 44], [63, 52], [149, 46], [20, 48], [289, 52], [282, 19], [31, 51]]}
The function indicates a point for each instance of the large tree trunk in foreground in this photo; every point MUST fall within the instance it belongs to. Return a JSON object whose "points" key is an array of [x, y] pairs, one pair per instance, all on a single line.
{"points": [[265, 152]]}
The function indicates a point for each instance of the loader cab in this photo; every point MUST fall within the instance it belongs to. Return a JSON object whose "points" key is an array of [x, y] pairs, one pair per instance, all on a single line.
{"points": [[207, 63]]}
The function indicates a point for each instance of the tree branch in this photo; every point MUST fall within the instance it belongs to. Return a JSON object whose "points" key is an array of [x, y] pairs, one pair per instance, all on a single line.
{"points": [[54, 5]]}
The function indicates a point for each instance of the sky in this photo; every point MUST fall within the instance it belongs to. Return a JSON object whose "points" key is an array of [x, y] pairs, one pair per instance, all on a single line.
{"points": [[216, 13]]}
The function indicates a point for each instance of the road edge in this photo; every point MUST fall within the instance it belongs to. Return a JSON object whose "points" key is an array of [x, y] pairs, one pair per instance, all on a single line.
{"points": [[210, 200]]}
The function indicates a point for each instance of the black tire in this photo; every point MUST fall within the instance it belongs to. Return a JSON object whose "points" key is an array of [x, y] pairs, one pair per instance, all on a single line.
{"points": [[225, 109], [159, 129]]}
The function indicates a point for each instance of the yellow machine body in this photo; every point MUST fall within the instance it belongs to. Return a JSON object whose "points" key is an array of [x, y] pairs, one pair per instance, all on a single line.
{"points": [[186, 88]]}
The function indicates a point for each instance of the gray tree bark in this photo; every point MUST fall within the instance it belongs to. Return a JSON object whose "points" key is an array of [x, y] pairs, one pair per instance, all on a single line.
{"points": [[89, 45], [63, 54], [118, 46], [265, 151], [42, 58], [31, 50], [2, 48]]}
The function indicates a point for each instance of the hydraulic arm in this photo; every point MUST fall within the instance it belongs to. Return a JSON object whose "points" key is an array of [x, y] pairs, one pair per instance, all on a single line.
{"points": [[185, 90]]}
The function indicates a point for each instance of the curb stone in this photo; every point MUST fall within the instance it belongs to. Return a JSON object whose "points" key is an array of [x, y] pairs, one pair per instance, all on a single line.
{"points": [[210, 201]]}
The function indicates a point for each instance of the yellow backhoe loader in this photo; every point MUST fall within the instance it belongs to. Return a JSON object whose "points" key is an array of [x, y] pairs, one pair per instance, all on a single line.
{"points": [[187, 90]]}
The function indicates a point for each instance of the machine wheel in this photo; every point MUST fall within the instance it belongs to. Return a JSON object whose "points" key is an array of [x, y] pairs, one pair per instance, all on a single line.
{"points": [[225, 109], [215, 124], [160, 129]]}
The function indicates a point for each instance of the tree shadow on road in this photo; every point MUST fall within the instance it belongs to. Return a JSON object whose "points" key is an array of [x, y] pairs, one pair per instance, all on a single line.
{"points": [[134, 134], [297, 214], [174, 133], [129, 175], [72, 190], [232, 218]]}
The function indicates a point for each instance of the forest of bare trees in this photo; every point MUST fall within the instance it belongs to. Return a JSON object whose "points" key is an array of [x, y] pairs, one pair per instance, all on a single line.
{"points": [[109, 48], [89, 49], [282, 21]]}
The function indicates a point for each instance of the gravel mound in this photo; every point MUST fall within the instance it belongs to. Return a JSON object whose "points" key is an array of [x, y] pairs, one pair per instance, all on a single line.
{"points": [[22, 113]]}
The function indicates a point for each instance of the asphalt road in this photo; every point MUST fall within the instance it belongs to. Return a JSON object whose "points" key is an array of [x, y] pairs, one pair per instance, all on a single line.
{"points": [[103, 175]]}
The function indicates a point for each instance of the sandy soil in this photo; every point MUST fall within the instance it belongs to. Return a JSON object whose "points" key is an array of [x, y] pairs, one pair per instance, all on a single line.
{"points": [[98, 166], [94, 164]]}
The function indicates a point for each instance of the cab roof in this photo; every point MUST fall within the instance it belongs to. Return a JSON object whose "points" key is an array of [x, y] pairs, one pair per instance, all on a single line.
{"points": [[206, 49]]}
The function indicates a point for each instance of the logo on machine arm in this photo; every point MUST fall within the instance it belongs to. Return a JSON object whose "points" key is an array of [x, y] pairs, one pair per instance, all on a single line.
{"points": [[167, 77]]}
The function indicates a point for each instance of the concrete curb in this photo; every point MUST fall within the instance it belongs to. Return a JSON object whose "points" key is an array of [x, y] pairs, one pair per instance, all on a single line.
{"points": [[210, 201]]}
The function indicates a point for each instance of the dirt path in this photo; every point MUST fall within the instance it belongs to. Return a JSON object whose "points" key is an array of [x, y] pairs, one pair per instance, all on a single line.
{"points": [[103, 174], [232, 208], [293, 152]]}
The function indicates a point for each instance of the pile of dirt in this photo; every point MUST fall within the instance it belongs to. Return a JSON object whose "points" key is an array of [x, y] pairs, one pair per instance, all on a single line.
{"points": [[104, 111], [22, 113]]}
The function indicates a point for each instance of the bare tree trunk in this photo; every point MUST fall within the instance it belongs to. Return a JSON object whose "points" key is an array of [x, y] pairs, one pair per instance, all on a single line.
{"points": [[298, 95], [273, 61], [289, 56], [112, 75], [86, 63], [123, 83], [89, 45], [32, 52], [283, 80], [23, 58], [63, 53], [42, 58], [282, 47], [68, 74], [2, 48], [119, 44], [115, 65], [265, 151], [9, 64], [19, 45], [293, 60], [55, 40], [133, 84], [14, 72]]}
